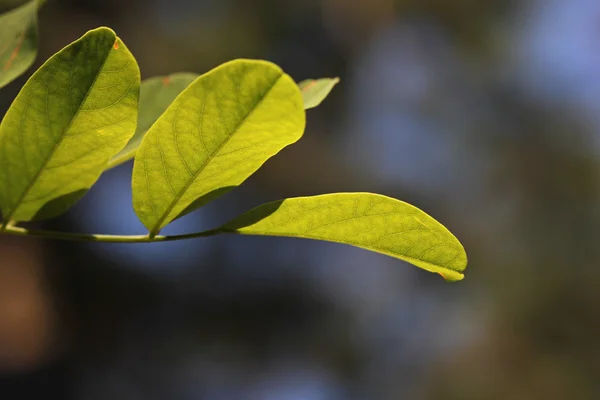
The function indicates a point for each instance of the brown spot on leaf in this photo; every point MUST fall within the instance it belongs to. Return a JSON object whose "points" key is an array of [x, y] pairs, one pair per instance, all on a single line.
{"points": [[310, 84], [14, 53]]}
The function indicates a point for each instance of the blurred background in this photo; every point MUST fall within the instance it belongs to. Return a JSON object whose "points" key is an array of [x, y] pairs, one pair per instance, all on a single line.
{"points": [[485, 114]]}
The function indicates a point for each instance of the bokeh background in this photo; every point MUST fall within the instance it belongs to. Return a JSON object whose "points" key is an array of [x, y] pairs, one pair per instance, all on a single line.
{"points": [[486, 114]]}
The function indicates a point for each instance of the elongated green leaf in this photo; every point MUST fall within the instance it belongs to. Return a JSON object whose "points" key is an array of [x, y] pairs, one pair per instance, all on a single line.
{"points": [[215, 134], [314, 91], [18, 41], [156, 94], [70, 118], [370, 221]]}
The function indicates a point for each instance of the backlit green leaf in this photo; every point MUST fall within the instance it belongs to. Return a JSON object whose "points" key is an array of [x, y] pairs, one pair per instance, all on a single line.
{"points": [[215, 134], [18, 41], [70, 118], [156, 94], [314, 91], [370, 221]]}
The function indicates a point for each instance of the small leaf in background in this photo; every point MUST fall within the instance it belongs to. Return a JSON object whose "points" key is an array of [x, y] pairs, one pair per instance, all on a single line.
{"points": [[215, 134], [18, 41], [370, 221], [314, 91], [70, 118], [156, 94]]}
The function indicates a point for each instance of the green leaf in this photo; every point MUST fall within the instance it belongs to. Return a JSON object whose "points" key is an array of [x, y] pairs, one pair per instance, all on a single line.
{"points": [[156, 94], [18, 41], [215, 134], [370, 221], [314, 91], [70, 118]]}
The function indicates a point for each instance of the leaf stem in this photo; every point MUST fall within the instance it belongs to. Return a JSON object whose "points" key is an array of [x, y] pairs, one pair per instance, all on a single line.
{"points": [[7, 223], [88, 237]]}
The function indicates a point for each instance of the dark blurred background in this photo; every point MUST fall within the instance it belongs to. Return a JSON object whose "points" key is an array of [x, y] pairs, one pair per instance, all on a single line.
{"points": [[486, 114]]}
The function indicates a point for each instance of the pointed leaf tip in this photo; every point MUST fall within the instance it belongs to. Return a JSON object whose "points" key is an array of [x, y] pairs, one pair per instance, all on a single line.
{"points": [[314, 91], [452, 277]]}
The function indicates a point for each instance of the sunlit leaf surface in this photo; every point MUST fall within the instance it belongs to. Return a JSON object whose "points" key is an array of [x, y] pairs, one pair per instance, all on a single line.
{"points": [[76, 112], [370, 221], [215, 134]]}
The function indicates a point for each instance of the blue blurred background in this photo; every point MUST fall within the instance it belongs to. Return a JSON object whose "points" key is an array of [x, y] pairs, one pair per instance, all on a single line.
{"points": [[486, 114]]}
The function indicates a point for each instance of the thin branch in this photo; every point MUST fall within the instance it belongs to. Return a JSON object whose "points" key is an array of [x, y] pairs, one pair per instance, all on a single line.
{"points": [[87, 237]]}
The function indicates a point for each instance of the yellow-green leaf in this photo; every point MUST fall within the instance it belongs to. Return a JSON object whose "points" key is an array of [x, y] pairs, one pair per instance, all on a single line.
{"points": [[70, 118], [18, 41], [156, 94], [215, 134], [370, 221], [314, 91]]}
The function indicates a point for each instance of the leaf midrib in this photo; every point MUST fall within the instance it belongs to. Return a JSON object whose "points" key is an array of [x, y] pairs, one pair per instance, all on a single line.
{"points": [[156, 228], [58, 142]]}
